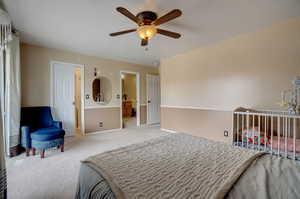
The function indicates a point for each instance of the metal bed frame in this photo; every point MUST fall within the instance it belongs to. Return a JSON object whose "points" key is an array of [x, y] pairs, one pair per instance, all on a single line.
{"points": [[269, 123]]}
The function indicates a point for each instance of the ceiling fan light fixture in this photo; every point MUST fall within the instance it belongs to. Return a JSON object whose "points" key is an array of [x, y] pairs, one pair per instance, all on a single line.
{"points": [[147, 31], [147, 22]]}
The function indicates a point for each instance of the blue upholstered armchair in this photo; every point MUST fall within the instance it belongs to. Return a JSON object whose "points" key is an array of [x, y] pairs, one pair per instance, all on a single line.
{"points": [[40, 131]]}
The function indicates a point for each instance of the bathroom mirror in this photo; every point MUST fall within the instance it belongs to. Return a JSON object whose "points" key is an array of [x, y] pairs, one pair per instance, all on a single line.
{"points": [[102, 90]]}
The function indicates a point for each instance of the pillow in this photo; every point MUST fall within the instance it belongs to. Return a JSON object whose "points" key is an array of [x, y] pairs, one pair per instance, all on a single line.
{"points": [[253, 135]]}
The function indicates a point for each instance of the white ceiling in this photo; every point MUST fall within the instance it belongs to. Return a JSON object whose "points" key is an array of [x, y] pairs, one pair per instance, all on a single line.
{"points": [[83, 25]]}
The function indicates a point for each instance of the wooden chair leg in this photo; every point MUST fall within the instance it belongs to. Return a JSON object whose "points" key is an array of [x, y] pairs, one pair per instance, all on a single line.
{"points": [[42, 153], [33, 151], [62, 148], [27, 151]]}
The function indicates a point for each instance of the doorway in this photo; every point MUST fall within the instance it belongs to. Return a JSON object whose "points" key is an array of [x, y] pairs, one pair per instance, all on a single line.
{"points": [[78, 101], [153, 99], [130, 95], [67, 102]]}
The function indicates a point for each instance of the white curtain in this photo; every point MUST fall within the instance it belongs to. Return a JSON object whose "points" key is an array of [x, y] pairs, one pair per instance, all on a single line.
{"points": [[5, 62], [2, 88], [3, 185], [12, 97], [9, 82], [5, 28]]}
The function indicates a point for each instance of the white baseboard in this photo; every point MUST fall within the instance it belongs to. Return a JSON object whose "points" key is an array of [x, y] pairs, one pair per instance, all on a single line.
{"points": [[105, 131], [168, 130], [150, 125], [197, 108], [153, 125]]}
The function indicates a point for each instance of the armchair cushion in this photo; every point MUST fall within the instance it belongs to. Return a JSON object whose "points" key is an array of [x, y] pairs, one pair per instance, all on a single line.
{"points": [[46, 134]]}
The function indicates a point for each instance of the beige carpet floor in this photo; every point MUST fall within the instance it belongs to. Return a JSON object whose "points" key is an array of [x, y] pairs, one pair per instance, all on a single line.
{"points": [[129, 122], [56, 176]]}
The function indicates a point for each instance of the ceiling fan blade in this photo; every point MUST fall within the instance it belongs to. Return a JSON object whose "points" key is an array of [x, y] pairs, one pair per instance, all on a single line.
{"points": [[128, 14], [122, 32], [144, 42], [168, 33], [168, 17]]}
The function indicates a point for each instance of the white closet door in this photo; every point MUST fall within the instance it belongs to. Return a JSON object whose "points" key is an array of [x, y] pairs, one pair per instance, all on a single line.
{"points": [[153, 98], [63, 96]]}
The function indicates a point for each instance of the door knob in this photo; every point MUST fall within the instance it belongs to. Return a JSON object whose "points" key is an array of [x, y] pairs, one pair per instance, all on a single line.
{"points": [[149, 101]]}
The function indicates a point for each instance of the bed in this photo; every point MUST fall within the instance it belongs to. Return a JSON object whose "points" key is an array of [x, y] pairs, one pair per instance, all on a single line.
{"points": [[275, 132], [183, 166]]}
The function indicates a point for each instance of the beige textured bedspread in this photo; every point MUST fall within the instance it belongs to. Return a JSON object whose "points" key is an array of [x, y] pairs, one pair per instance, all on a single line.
{"points": [[173, 166], [268, 177]]}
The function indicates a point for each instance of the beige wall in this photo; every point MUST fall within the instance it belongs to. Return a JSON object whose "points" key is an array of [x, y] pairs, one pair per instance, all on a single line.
{"points": [[202, 123], [35, 66], [250, 71], [143, 112], [110, 117], [35, 63], [78, 97]]}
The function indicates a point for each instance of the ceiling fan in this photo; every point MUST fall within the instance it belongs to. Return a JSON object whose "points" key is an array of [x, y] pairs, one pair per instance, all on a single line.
{"points": [[147, 22]]}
